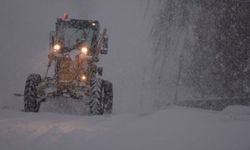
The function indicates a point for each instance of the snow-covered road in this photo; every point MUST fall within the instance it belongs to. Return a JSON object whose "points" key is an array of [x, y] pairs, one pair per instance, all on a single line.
{"points": [[175, 128]]}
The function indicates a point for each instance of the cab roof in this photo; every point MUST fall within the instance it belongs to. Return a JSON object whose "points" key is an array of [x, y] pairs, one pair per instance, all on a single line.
{"points": [[79, 24]]}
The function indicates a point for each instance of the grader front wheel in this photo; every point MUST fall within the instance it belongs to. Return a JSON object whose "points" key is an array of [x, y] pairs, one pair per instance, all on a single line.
{"points": [[101, 97], [30, 93]]}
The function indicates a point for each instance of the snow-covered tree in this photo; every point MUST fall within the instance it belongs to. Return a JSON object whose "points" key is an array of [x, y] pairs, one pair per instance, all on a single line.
{"points": [[203, 46]]}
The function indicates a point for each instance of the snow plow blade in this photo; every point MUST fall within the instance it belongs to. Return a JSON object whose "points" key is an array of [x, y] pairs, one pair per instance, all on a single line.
{"points": [[18, 94]]}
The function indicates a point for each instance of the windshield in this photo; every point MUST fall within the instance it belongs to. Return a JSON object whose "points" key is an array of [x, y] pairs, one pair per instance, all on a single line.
{"points": [[73, 36]]}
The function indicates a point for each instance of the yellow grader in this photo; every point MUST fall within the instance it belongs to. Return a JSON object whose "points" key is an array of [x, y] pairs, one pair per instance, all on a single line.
{"points": [[75, 48]]}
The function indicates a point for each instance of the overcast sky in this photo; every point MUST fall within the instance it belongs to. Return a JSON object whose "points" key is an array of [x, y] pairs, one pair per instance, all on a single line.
{"points": [[24, 31]]}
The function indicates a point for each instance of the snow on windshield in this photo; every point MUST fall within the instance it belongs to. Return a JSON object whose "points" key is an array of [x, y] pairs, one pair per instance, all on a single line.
{"points": [[71, 36]]}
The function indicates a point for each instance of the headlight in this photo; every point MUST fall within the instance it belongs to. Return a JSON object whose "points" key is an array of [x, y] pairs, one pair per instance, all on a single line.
{"points": [[83, 77], [84, 50], [56, 47]]}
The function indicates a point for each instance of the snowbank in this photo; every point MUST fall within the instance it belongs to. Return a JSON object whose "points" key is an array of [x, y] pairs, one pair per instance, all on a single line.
{"points": [[237, 110]]}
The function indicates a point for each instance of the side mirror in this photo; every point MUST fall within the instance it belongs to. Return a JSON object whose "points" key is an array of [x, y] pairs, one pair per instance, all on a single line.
{"points": [[100, 71], [52, 38], [105, 44]]}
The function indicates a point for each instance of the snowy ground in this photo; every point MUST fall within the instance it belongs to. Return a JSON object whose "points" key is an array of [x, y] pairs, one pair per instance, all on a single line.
{"points": [[175, 128]]}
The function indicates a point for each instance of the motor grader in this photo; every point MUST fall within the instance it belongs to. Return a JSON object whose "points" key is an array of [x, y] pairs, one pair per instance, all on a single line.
{"points": [[75, 49]]}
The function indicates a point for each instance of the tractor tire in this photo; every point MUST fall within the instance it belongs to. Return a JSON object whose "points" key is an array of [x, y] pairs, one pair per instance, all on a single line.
{"points": [[96, 97], [30, 93], [108, 97]]}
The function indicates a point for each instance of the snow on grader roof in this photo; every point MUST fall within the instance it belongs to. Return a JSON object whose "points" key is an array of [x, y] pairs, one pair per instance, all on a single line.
{"points": [[81, 24]]}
